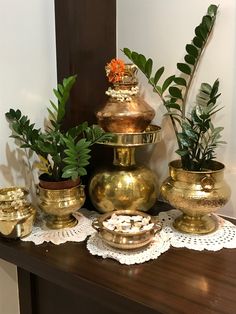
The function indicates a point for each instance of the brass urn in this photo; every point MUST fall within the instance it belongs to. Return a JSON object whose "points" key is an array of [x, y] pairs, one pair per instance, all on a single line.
{"points": [[197, 194], [60, 204], [125, 110], [125, 185], [17, 215]]}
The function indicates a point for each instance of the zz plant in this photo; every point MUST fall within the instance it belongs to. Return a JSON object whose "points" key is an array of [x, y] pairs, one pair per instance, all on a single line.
{"points": [[197, 138], [63, 154]]}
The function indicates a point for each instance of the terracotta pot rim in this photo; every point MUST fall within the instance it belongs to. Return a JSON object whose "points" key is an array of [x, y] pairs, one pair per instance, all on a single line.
{"points": [[58, 185], [176, 165]]}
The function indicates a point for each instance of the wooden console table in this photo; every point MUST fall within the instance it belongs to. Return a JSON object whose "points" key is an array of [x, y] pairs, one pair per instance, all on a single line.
{"points": [[66, 279]]}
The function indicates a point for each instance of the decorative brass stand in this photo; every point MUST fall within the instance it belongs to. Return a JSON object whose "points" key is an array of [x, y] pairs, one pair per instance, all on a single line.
{"points": [[126, 185]]}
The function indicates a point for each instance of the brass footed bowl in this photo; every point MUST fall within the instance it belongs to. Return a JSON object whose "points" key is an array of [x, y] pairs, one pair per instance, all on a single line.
{"points": [[59, 205], [16, 213], [126, 240]]}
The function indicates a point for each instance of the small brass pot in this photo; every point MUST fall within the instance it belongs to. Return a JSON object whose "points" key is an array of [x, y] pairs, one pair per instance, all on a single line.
{"points": [[197, 194], [125, 240], [16, 213], [60, 204]]}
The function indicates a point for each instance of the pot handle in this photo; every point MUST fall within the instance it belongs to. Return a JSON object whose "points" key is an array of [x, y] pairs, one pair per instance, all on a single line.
{"points": [[207, 183], [96, 224], [157, 227]]}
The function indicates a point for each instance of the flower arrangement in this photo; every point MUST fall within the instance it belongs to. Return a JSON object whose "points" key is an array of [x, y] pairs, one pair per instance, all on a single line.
{"points": [[115, 70], [196, 136], [63, 154], [118, 73]]}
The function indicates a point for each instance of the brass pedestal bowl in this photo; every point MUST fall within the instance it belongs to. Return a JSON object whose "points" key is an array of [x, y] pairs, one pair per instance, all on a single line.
{"points": [[16, 213], [126, 240], [59, 205], [197, 194], [125, 185]]}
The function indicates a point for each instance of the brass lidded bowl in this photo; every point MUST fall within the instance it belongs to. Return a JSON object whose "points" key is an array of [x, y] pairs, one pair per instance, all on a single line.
{"points": [[126, 240], [16, 213]]}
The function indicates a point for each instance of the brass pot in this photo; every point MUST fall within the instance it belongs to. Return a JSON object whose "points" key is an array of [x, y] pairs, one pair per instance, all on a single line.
{"points": [[129, 113], [125, 240], [197, 194], [124, 185], [16, 213], [60, 204]]}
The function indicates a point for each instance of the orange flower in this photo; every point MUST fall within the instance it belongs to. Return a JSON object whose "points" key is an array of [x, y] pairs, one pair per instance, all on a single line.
{"points": [[115, 70]]}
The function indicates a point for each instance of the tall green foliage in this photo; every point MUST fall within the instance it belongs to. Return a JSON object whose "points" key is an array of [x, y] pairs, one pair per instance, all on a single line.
{"points": [[63, 155], [196, 136]]}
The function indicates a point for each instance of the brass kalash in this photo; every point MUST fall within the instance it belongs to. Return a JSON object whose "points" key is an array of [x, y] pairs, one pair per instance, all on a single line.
{"points": [[126, 185]]}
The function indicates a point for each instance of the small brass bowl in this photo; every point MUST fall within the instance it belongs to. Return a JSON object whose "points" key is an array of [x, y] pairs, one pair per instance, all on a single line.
{"points": [[126, 240]]}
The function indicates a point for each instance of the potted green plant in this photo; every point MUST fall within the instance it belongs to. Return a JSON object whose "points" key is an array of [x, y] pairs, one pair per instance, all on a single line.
{"points": [[63, 155], [196, 184]]}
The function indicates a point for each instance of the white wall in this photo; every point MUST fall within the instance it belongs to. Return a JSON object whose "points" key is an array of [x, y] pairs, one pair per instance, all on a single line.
{"points": [[160, 30], [27, 76]]}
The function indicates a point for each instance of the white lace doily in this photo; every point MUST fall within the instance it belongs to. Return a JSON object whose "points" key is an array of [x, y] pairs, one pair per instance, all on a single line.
{"points": [[40, 232], [223, 237], [96, 246]]}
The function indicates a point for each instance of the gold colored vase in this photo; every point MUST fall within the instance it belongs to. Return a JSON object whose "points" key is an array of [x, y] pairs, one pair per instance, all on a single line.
{"points": [[197, 194], [125, 185], [125, 111], [16, 213], [60, 205]]}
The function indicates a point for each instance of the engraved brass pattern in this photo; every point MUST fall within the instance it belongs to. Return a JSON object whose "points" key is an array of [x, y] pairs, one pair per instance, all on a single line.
{"points": [[197, 194]]}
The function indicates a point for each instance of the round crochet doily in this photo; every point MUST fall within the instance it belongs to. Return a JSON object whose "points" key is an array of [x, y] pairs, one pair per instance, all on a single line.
{"points": [[223, 237], [96, 246], [40, 232]]}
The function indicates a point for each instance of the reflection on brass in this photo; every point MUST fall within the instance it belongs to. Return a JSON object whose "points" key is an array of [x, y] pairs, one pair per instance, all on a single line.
{"points": [[60, 204], [16, 214], [130, 115], [134, 188], [151, 135], [126, 185], [196, 194], [126, 241]]}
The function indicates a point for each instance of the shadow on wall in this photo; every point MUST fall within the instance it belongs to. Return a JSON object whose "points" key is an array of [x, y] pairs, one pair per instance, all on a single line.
{"points": [[157, 156], [18, 171]]}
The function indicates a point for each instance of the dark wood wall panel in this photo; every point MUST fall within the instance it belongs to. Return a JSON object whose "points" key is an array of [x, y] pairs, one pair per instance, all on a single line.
{"points": [[86, 41]]}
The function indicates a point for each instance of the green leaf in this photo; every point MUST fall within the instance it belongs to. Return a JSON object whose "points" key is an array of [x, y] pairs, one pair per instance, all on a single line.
{"points": [[141, 62], [167, 82], [158, 74], [57, 94], [212, 10], [184, 140], [192, 50], [183, 67], [207, 22], [148, 68], [173, 105], [190, 59], [182, 152], [157, 89], [175, 92], [198, 42], [127, 52], [201, 32], [134, 57], [180, 81], [215, 88], [205, 87]]}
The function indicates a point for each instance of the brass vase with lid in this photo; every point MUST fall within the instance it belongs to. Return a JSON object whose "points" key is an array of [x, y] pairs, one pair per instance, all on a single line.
{"points": [[125, 111]]}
